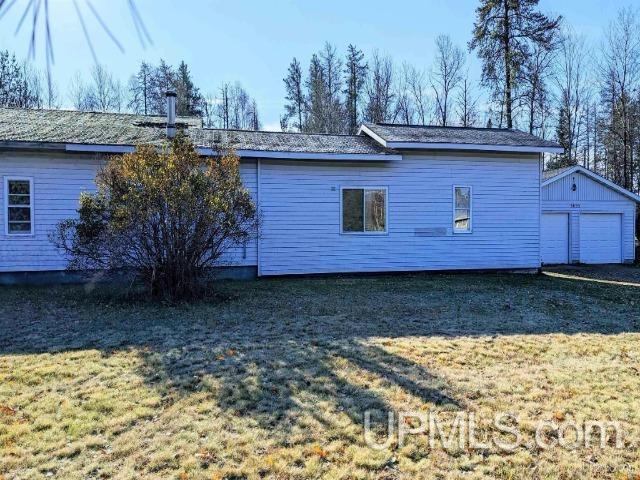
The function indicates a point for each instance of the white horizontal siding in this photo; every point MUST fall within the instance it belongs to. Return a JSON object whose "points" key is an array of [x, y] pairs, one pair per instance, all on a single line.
{"points": [[57, 183], [245, 255], [300, 205], [590, 196], [586, 189]]}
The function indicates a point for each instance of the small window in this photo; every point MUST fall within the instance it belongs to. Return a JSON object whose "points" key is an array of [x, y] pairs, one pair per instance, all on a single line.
{"points": [[462, 209], [364, 210], [18, 206]]}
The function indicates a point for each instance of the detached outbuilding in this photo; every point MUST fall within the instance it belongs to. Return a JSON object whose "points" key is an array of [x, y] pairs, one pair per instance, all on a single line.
{"points": [[586, 218]]}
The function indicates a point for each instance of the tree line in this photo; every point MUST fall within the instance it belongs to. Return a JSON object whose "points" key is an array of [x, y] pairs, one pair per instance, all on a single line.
{"points": [[338, 93], [230, 106], [538, 75]]}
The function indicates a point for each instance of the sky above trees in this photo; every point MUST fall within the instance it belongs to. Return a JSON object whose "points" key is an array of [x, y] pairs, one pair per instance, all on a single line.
{"points": [[254, 42]]}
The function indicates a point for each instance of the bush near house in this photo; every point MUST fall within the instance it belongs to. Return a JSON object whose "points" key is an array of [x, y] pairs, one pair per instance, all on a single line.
{"points": [[167, 215]]}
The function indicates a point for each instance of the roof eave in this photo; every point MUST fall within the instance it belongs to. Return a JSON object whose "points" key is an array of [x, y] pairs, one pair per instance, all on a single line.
{"points": [[284, 155], [205, 151], [473, 147]]}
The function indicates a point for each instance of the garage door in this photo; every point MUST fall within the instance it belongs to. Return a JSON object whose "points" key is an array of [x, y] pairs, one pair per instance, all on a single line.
{"points": [[555, 238], [600, 238]]}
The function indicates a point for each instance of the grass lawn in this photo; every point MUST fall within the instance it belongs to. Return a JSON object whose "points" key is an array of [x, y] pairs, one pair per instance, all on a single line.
{"points": [[271, 380]]}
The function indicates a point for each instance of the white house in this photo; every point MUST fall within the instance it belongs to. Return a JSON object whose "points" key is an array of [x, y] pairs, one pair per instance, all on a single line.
{"points": [[392, 198], [586, 218]]}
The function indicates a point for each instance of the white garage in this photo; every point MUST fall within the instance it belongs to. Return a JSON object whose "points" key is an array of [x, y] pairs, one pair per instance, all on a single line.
{"points": [[555, 238], [601, 238], [586, 219]]}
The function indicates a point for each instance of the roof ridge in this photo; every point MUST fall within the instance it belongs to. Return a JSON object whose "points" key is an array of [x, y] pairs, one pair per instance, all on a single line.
{"points": [[348, 135], [72, 110], [452, 127]]}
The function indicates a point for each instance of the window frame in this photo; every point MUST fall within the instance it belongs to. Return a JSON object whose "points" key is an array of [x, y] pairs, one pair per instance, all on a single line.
{"points": [[8, 179], [364, 188], [453, 210]]}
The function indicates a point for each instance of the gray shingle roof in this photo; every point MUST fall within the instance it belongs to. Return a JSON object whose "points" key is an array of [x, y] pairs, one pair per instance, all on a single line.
{"points": [[288, 142], [458, 135], [67, 126]]}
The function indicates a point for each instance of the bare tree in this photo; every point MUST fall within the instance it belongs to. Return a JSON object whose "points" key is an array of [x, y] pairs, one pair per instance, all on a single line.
{"points": [[416, 83], [379, 89], [103, 92], [467, 104], [232, 108], [405, 108], [534, 98], [78, 93], [620, 79], [52, 95], [446, 76], [572, 79]]}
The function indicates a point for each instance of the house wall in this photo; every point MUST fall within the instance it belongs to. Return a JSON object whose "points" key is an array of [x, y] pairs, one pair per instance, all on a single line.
{"points": [[589, 197], [300, 205], [57, 182], [300, 210]]}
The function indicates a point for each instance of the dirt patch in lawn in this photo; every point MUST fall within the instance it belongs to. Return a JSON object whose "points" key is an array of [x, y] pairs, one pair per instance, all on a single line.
{"points": [[273, 382]]}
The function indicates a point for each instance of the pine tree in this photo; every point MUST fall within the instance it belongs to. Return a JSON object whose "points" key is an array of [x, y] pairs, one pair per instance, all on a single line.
{"points": [[563, 137], [356, 74], [20, 84], [503, 34], [295, 109], [188, 101], [333, 111], [315, 98], [140, 90], [163, 79]]}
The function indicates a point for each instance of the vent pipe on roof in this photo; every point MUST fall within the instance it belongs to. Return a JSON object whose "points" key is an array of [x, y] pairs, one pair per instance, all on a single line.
{"points": [[171, 114]]}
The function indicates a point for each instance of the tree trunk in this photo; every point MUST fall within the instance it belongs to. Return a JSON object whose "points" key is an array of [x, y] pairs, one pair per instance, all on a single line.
{"points": [[506, 34]]}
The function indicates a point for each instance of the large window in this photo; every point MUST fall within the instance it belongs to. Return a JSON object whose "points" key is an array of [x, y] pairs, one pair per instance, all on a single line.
{"points": [[364, 210], [18, 200], [462, 209]]}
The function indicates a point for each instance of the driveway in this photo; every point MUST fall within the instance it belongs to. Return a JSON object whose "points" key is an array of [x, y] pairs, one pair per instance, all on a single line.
{"points": [[617, 274]]}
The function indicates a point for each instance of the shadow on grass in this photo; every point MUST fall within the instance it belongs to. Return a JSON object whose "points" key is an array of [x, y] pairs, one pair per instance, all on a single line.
{"points": [[276, 349]]}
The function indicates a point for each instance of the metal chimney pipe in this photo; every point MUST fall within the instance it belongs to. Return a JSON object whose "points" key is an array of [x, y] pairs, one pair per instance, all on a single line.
{"points": [[171, 114]]}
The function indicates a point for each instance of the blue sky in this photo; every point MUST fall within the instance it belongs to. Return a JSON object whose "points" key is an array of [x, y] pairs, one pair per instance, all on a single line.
{"points": [[254, 41]]}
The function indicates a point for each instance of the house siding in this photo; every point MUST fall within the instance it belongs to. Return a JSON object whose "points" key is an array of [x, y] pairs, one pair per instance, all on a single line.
{"points": [[58, 181], [300, 206], [589, 197]]}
